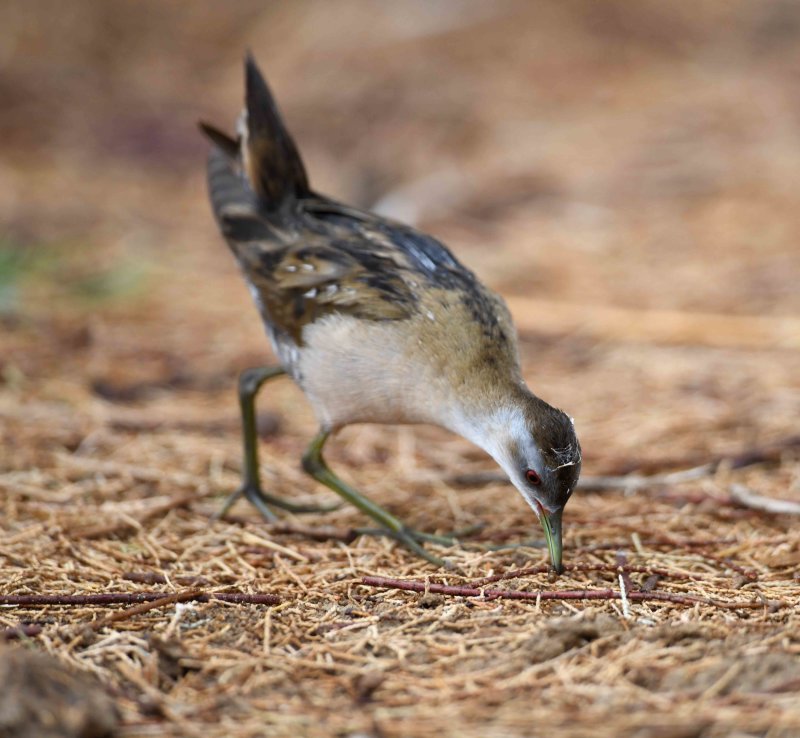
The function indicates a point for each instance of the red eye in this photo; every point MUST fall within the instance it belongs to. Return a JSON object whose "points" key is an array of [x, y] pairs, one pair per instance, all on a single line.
{"points": [[533, 478]]}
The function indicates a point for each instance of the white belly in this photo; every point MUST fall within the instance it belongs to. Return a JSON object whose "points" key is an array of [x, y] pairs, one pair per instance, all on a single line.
{"points": [[356, 371]]}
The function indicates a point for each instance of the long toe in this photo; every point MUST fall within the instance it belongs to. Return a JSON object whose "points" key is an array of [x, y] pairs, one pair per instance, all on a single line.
{"points": [[411, 539], [296, 507], [454, 538], [256, 497]]}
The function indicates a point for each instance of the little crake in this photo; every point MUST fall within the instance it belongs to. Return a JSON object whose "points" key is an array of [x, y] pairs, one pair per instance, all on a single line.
{"points": [[376, 323]]}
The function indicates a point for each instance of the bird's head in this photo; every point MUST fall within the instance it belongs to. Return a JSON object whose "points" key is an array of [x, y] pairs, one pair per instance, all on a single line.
{"points": [[536, 446]]}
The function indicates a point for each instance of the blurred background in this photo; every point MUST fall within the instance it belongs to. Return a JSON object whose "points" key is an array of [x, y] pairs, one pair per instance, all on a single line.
{"points": [[593, 155]]}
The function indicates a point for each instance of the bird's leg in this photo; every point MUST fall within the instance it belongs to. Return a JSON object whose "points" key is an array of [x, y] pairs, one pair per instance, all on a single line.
{"points": [[315, 465], [250, 381]]}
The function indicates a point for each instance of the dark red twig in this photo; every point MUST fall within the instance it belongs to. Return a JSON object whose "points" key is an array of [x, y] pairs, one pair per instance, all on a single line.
{"points": [[153, 577], [580, 594], [131, 598]]}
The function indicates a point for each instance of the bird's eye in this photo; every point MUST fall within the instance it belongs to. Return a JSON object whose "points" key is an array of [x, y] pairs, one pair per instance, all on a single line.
{"points": [[533, 478]]}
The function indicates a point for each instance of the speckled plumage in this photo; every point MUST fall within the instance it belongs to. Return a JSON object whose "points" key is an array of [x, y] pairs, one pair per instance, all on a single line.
{"points": [[375, 321]]}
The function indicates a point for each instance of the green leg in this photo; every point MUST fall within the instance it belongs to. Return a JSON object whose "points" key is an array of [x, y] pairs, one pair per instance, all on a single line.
{"points": [[250, 382], [314, 464]]}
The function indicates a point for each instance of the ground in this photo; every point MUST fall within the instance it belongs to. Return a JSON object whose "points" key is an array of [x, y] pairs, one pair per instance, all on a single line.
{"points": [[626, 174]]}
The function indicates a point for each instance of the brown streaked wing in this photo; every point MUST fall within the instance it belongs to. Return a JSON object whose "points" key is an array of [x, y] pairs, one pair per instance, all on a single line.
{"points": [[314, 277]]}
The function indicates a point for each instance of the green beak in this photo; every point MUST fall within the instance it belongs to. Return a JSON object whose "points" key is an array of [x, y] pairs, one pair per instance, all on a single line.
{"points": [[552, 533]]}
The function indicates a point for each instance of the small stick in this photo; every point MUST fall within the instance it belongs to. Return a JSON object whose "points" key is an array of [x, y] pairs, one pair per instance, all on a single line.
{"points": [[144, 607], [625, 584], [613, 568], [581, 594], [661, 540], [623, 594], [128, 598], [768, 453], [745, 497], [152, 577], [104, 531], [732, 565]]}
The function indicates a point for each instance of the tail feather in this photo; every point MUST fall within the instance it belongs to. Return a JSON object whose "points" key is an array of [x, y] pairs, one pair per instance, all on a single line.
{"points": [[264, 155], [271, 159], [229, 194], [229, 146]]}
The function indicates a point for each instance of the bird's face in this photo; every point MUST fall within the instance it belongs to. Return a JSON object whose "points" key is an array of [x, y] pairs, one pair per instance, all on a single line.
{"points": [[542, 457], [546, 489]]}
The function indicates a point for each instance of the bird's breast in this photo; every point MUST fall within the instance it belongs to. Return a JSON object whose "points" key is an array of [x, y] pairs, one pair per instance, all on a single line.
{"points": [[427, 369], [356, 371]]}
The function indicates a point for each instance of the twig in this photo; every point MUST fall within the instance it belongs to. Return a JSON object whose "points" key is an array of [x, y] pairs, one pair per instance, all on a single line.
{"points": [[741, 495], [144, 607], [580, 594], [623, 595], [768, 453], [662, 540], [688, 543], [128, 598], [612, 568], [625, 584], [732, 565], [152, 577], [118, 526]]}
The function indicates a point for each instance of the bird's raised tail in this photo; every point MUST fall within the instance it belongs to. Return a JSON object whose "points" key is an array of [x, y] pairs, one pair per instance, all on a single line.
{"points": [[265, 153]]}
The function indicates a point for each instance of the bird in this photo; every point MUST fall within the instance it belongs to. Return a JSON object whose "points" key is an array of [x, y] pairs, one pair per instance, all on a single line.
{"points": [[376, 322]]}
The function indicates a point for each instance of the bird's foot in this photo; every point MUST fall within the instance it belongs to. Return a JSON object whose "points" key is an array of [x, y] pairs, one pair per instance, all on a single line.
{"points": [[263, 502], [413, 540]]}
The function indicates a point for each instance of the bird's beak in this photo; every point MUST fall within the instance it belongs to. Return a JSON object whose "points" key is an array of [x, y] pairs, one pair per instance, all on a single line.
{"points": [[552, 532]]}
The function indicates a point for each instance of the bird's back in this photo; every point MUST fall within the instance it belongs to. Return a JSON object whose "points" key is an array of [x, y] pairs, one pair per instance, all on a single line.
{"points": [[347, 296]]}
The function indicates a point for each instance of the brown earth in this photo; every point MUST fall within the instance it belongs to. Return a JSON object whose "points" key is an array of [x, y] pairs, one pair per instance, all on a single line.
{"points": [[626, 173]]}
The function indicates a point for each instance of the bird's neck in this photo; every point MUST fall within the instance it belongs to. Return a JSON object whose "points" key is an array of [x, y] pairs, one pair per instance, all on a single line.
{"points": [[492, 418]]}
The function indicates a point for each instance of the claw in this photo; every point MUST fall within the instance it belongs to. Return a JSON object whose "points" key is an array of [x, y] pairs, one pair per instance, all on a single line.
{"points": [[262, 500]]}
